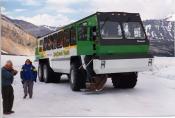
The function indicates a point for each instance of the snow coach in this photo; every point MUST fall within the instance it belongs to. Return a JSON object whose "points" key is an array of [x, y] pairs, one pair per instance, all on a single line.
{"points": [[103, 45]]}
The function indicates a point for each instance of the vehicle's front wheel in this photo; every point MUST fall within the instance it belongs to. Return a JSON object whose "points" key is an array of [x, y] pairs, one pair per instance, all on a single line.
{"points": [[76, 78], [40, 73], [124, 80]]}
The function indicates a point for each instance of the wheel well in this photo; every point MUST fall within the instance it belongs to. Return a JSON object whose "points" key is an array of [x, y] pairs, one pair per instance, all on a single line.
{"points": [[76, 59], [44, 61]]}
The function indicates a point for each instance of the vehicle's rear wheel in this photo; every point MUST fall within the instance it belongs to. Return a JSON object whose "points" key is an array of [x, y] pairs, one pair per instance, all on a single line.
{"points": [[40, 73], [46, 74], [77, 80], [124, 80], [49, 75]]}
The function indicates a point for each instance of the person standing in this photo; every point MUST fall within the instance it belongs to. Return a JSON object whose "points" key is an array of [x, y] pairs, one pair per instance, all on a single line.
{"points": [[8, 74], [28, 76]]}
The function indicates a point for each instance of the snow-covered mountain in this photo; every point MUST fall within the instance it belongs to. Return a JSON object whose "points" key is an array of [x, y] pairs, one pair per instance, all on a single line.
{"points": [[51, 28], [159, 30], [161, 34], [37, 31], [170, 17]]}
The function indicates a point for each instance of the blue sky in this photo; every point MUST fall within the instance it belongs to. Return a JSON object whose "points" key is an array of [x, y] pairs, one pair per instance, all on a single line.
{"points": [[61, 12]]}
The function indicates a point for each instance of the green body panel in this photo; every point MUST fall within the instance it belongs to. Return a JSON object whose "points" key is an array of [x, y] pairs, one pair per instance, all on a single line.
{"points": [[38, 55], [122, 49], [85, 48]]}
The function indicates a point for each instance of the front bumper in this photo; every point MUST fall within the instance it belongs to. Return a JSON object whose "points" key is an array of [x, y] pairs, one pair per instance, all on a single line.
{"points": [[122, 65]]}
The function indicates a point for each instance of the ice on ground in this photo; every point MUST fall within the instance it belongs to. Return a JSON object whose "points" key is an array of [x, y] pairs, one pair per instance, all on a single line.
{"points": [[164, 67], [154, 95]]}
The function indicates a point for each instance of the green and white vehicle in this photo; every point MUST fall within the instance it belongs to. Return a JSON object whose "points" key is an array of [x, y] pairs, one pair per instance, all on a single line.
{"points": [[114, 42]]}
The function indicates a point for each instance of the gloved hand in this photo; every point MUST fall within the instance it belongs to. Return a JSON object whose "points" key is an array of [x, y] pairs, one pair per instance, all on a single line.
{"points": [[14, 72], [22, 82]]}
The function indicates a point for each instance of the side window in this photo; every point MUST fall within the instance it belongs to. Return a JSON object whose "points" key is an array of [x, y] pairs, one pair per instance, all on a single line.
{"points": [[49, 43], [82, 31], [41, 42], [55, 38], [133, 30], [73, 36], [66, 38], [40, 46], [60, 39], [45, 44], [52, 41]]}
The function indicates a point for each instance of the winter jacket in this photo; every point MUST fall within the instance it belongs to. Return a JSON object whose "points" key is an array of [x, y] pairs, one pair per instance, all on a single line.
{"points": [[7, 77], [28, 72]]}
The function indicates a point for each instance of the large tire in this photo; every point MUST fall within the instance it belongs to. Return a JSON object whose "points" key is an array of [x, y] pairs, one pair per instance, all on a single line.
{"points": [[40, 73], [124, 80], [49, 75], [77, 80], [46, 73]]}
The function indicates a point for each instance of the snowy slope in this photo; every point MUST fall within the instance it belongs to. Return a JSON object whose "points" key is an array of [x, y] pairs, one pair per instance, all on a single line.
{"points": [[49, 27], [170, 17], [164, 67], [161, 35], [153, 96]]}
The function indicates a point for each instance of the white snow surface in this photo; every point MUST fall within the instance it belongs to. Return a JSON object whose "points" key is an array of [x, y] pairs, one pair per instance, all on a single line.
{"points": [[171, 17], [154, 95]]}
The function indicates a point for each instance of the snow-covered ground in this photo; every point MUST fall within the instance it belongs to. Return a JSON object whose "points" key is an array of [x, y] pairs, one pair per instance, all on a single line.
{"points": [[164, 67], [154, 95]]}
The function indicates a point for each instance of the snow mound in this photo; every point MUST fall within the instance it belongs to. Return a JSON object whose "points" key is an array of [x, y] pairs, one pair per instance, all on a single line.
{"points": [[164, 67], [171, 17]]}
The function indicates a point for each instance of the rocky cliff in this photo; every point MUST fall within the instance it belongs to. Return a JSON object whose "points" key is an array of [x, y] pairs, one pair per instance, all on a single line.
{"points": [[15, 40]]}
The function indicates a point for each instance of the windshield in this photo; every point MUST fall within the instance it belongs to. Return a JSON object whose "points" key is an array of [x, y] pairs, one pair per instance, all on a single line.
{"points": [[133, 30], [110, 30], [113, 30]]}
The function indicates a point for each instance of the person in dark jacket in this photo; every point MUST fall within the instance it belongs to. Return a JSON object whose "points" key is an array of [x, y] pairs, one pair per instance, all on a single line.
{"points": [[28, 76], [8, 74]]}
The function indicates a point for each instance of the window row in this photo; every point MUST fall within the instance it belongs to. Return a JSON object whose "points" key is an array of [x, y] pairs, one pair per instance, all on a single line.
{"points": [[60, 39]]}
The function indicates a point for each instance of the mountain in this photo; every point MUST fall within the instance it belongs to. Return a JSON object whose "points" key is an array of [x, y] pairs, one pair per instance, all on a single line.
{"points": [[37, 31], [170, 17], [161, 34], [50, 28], [14, 40]]}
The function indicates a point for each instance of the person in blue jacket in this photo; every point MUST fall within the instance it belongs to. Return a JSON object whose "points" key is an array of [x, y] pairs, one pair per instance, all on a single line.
{"points": [[28, 76]]}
